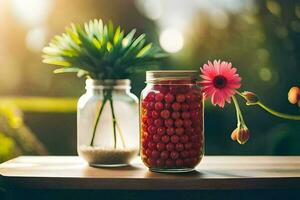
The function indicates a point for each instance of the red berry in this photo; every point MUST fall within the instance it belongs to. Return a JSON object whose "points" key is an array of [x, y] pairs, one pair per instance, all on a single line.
{"points": [[184, 154], [193, 153], [149, 113], [187, 162], [161, 130], [148, 152], [174, 155], [170, 131], [158, 106], [160, 146], [160, 163], [169, 122], [151, 145], [165, 138], [195, 106], [189, 130], [185, 115], [195, 115], [179, 147], [150, 121], [174, 139], [154, 114], [144, 104], [155, 154], [169, 98], [150, 106], [152, 162], [187, 123], [176, 106], [151, 129], [170, 163], [170, 147], [184, 139], [197, 146], [144, 119], [144, 143], [179, 131], [150, 96], [178, 123], [159, 97], [180, 98], [165, 114], [195, 138], [158, 122], [194, 161], [190, 97], [164, 155], [188, 146], [168, 106], [156, 138], [144, 127], [185, 107], [175, 115], [179, 162], [145, 134]]}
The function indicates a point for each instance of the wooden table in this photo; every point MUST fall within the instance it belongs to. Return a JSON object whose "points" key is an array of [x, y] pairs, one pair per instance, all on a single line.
{"points": [[230, 175]]}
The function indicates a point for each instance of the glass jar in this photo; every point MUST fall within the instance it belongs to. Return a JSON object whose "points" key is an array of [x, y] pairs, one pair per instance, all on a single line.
{"points": [[107, 121], [171, 121]]}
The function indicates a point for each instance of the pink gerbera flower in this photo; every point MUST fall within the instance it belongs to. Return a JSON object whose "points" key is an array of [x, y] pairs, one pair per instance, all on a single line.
{"points": [[220, 81]]}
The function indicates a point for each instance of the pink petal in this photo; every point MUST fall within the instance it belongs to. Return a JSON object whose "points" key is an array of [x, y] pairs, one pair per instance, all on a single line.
{"points": [[208, 91], [206, 77], [217, 99]]}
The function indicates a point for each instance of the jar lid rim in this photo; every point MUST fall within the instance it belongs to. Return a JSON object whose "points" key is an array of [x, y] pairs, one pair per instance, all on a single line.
{"points": [[108, 83], [158, 75]]}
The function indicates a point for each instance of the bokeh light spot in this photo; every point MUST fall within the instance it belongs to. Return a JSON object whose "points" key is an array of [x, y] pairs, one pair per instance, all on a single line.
{"points": [[151, 8], [219, 19], [31, 12], [35, 39], [263, 54], [265, 74], [273, 7], [297, 11], [171, 40]]}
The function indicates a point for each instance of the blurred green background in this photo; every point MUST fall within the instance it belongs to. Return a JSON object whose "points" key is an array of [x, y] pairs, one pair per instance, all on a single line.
{"points": [[260, 38]]}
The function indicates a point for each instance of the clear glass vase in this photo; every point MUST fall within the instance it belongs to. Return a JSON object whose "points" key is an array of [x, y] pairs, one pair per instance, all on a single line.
{"points": [[107, 123], [172, 127]]}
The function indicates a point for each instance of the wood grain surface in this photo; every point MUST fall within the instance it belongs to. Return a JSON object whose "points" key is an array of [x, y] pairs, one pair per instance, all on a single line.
{"points": [[213, 173]]}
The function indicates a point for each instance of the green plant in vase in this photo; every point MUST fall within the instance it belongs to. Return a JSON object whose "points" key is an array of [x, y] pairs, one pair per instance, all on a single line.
{"points": [[104, 53]]}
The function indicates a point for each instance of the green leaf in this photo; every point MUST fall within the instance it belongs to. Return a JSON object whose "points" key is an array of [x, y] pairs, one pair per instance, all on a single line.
{"points": [[144, 50], [64, 70], [98, 51]]}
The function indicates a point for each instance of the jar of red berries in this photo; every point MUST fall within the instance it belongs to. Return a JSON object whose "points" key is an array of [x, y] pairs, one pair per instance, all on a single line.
{"points": [[171, 121]]}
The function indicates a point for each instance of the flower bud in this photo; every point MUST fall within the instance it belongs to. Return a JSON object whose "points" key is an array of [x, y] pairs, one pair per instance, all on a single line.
{"points": [[294, 95], [234, 134], [240, 134], [250, 97]]}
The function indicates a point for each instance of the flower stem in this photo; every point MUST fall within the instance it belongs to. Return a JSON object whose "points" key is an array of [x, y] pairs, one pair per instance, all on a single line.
{"points": [[121, 135], [271, 111], [238, 112], [114, 121], [105, 98], [278, 114]]}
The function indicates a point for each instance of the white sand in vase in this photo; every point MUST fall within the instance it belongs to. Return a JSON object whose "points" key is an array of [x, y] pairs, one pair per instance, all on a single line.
{"points": [[99, 156]]}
